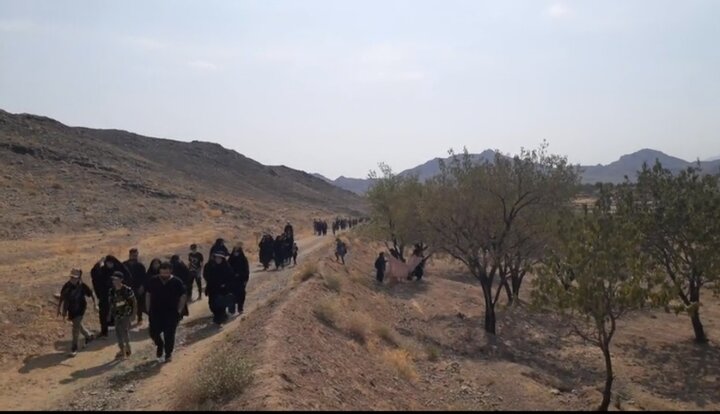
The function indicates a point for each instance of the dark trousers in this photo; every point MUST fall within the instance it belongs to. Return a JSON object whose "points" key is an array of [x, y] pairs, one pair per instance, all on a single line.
{"points": [[380, 275], [162, 332], [294, 258], [218, 307], [194, 277], [237, 299], [104, 310], [141, 305]]}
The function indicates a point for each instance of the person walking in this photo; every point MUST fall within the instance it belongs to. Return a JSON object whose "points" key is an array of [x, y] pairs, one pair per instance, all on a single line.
{"points": [[72, 305], [218, 277], [241, 274], [165, 299], [138, 273], [294, 253], [195, 263], [380, 267], [340, 250], [123, 306]]}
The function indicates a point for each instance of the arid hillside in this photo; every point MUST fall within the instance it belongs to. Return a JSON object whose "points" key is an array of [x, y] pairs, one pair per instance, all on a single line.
{"points": [[58, 179]]}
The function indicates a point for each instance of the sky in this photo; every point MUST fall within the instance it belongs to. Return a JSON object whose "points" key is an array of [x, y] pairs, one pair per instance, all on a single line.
{"points": [[336, 86]]}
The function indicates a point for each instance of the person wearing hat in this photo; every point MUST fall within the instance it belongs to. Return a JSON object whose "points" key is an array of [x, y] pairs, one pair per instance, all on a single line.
{"points": [[73, 305], [123, 307], [218, 278], [195, 263]]}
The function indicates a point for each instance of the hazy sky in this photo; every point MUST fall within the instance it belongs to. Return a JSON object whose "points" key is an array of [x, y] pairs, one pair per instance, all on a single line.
{"points": [[336, 86]]}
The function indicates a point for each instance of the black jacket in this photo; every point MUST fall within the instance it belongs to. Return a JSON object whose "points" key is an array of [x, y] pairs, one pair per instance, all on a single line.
{"points": [[241, 269], [182, 272], [218, 277], [138, 274]]}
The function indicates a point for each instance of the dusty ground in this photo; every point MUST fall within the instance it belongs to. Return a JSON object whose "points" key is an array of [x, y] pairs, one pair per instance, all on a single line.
{"points": [[92, 380], [303, 363]]}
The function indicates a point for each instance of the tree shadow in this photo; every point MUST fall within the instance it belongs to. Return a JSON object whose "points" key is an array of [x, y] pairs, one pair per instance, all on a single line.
{"points": [[406, 289], [90, 372], [685, 371], [33, 362]]}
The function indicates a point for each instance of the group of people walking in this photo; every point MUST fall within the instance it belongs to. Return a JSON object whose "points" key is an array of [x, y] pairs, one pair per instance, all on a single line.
{"points": [[125, 291], [281, 250]]}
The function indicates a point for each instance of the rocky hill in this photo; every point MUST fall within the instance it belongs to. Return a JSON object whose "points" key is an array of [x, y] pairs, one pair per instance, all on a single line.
{"points": [[57, 178], [614, 172]]}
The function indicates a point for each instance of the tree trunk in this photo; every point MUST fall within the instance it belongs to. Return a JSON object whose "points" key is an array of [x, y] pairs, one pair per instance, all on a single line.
{"points": [[607, 392], [508, 292], [489, 310], [516, 282], [695, 315]]}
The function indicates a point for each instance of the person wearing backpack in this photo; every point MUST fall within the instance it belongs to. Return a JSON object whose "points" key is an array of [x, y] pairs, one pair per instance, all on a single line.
{"points": [[73, 305]]}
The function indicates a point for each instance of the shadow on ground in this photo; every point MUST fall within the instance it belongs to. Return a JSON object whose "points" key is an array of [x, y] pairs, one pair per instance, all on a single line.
{"points": [[691, 372]]}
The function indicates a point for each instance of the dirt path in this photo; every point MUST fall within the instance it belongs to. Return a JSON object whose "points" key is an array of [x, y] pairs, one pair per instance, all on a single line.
{"points": [[54, 381]]}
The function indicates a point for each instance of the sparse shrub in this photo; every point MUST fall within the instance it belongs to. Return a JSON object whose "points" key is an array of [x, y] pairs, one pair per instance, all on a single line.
{"points": [[358, 327], [432, 352], [387, 334], [332, 282], [327, 311], [400, 359], [306, 272], [56, 186], [215, 213], [223, 376]]}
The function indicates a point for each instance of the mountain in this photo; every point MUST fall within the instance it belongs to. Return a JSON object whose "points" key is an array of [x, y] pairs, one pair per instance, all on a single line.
{"points": [[615, 172], [711, 159], [57, 178]]}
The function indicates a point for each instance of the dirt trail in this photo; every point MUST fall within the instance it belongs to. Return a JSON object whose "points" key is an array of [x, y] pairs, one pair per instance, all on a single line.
{"points": [[49, 381]]}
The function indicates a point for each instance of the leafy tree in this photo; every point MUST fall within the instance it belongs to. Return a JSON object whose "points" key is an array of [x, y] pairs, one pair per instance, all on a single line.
{"points": [[394, 202], [679, 217], [489, 216], [596, 276]]}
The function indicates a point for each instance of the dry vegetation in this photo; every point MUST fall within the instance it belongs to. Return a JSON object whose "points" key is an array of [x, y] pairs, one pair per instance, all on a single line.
{"points": [[222, 376]]}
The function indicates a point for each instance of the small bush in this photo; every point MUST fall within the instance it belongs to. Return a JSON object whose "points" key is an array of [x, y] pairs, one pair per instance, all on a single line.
{"points": [[400, 359], [332, 282], [358, 327], [387, 334], [56, 186], [327, 311], [432, 352], [306, 272], [223, 376], [215, 213]]}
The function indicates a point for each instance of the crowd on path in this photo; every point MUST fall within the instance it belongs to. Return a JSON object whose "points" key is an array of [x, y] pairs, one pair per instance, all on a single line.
{"points": [[123, 292]]}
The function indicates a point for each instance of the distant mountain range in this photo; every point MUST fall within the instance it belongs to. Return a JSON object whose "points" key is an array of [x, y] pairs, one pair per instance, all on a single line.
{"points": [[614, 172]]}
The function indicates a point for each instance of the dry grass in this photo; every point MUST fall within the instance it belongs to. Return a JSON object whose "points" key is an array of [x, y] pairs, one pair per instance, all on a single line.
{"points": [[400, 359], [388, 334], [222, 377], [305, 273], [327, 311], [214, 213], [432, 352], [332, 282], [358, 326]]}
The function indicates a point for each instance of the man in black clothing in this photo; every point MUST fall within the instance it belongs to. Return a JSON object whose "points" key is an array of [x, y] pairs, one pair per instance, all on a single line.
{"points": [[165, 299], [101, 286], [73, 305], [138, 273], [181, 271], [380, 267], [218, 276], [241, 275], [195, 262]]}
